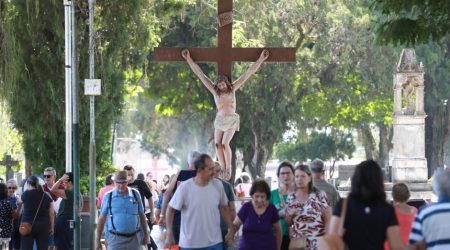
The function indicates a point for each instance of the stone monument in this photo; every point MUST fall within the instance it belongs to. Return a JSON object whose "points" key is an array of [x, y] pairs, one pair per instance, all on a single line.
{"points": [[409, 163]]}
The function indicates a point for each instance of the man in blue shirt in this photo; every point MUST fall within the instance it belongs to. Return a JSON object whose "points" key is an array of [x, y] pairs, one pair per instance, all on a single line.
{"points": [[431, 229], [123, 213]]}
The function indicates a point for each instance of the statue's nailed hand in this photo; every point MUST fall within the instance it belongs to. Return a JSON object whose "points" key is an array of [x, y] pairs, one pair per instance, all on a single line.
{"points": [[185, 54], [265, 54]]}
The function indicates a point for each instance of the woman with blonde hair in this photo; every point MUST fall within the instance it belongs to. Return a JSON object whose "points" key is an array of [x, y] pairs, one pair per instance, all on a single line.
{"points": [[16, 204]]}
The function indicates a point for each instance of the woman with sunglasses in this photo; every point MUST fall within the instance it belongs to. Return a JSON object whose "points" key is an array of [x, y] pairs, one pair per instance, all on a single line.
{"points": [[16, 204], [6, 212]]}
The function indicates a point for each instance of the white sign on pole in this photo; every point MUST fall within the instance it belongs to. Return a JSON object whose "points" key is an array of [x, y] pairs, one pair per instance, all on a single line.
{"points": [[92, 87]]}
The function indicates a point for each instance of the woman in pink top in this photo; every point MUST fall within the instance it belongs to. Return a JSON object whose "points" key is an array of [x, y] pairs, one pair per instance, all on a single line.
{"points": [[404, 212]]}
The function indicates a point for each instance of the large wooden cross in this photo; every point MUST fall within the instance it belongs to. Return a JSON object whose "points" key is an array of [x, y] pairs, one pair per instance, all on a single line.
{"points": [[224, 55], [8, 162]]}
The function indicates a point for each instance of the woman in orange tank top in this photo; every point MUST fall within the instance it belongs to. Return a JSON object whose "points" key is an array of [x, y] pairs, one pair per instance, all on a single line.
{"points": [[404, 212]]}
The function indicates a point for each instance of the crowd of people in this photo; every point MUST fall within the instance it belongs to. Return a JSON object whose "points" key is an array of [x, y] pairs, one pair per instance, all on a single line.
{"points": [[197, 209], [45, 208]]}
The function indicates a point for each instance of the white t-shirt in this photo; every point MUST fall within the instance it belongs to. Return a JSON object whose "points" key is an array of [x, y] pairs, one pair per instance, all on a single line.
{"points": [[200, 215]]}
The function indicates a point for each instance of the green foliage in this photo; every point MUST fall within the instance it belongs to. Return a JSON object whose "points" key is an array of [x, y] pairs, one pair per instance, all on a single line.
{"points": [[11, 140], [107, 168], [412, 21], [341, 78], [32, 70], [335, 145]]}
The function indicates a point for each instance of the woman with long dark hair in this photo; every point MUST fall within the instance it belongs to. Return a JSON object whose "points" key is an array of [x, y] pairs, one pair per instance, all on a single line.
{"points": [[38, 210], [369, 219]]}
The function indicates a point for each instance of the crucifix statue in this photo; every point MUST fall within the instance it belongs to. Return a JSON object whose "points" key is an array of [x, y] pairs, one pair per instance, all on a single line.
{"points": [[8, 163], [227, 121]]}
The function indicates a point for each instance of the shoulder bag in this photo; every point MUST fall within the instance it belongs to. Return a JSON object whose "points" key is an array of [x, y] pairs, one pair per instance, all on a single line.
{"points": [[25, 227], [335, 241]]}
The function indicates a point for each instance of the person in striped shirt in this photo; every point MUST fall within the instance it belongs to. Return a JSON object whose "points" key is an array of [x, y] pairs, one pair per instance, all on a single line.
{"points": [[431, 227]]}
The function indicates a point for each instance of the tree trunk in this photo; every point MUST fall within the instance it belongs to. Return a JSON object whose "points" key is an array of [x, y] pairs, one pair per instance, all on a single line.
{"points": [[368, 142], [385, 145], [233, 164], [437, 133], [257, 155], [28, 171]]}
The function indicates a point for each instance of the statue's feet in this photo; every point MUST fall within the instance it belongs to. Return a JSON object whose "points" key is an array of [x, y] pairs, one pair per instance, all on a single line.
{"points": [[227, 173]]}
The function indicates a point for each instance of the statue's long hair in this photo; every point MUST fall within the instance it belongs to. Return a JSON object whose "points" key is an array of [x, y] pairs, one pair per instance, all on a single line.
{"points": [[223, 78]]}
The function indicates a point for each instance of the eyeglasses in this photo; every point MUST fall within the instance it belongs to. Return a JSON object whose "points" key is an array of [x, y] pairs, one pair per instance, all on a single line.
{"points": [[48, 176], [14, 188], [121, 182]]}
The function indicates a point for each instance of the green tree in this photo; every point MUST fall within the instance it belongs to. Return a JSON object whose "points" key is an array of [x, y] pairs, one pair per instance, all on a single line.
{"points": [[268, 100], [411, 22], [11, 140], [353, 85], [425, 25], [32, 70], [328, 48], [436, 60], [333, 145]]}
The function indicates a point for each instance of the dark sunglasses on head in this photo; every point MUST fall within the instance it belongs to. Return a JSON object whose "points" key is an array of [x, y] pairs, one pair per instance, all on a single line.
{"points": [[12, 187], [48, 176]]}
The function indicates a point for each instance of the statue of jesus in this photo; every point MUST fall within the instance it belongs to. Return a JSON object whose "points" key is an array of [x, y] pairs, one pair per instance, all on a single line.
{"points": [[227, 121]]}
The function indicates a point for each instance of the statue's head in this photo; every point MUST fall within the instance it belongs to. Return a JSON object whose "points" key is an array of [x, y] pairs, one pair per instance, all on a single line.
{"points": [[222, 84]]}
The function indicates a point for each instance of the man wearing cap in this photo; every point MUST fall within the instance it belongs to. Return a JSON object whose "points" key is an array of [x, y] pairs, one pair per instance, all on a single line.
{"points": [[123, 212], [318, 174]]}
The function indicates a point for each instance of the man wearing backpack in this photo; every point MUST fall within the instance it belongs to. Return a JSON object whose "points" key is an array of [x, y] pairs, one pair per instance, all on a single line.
{"points": [[123, 213]]}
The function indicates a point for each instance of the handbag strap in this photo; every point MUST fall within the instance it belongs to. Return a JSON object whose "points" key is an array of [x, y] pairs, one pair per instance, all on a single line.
{"points": [[283, 203], [343, 213], [39, 207]]}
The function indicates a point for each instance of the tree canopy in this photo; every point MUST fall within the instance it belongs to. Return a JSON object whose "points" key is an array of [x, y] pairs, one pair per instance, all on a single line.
{"points": [[412, 21], [32, 70]]}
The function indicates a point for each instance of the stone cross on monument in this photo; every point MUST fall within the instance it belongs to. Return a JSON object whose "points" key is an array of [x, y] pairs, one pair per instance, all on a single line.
{"points": [[8, 162], [224, 55], [409, 163]]}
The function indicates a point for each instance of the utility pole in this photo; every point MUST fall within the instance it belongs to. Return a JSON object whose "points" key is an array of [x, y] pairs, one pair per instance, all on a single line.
{"points": [[92, 151], [75, 157], [68, 82]]}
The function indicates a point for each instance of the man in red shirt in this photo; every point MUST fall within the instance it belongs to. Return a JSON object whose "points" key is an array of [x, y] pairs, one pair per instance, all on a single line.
{"points": [[49, 179], [109, 185]]}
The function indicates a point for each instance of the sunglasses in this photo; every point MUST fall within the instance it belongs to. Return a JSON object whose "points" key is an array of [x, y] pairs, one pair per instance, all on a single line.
{"points": [[48, 176], [121, 182], [14, 188]]}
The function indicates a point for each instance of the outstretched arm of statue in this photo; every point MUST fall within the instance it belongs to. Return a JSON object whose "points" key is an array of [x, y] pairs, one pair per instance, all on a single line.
{"points": [[250, 71], [198, 71]]}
